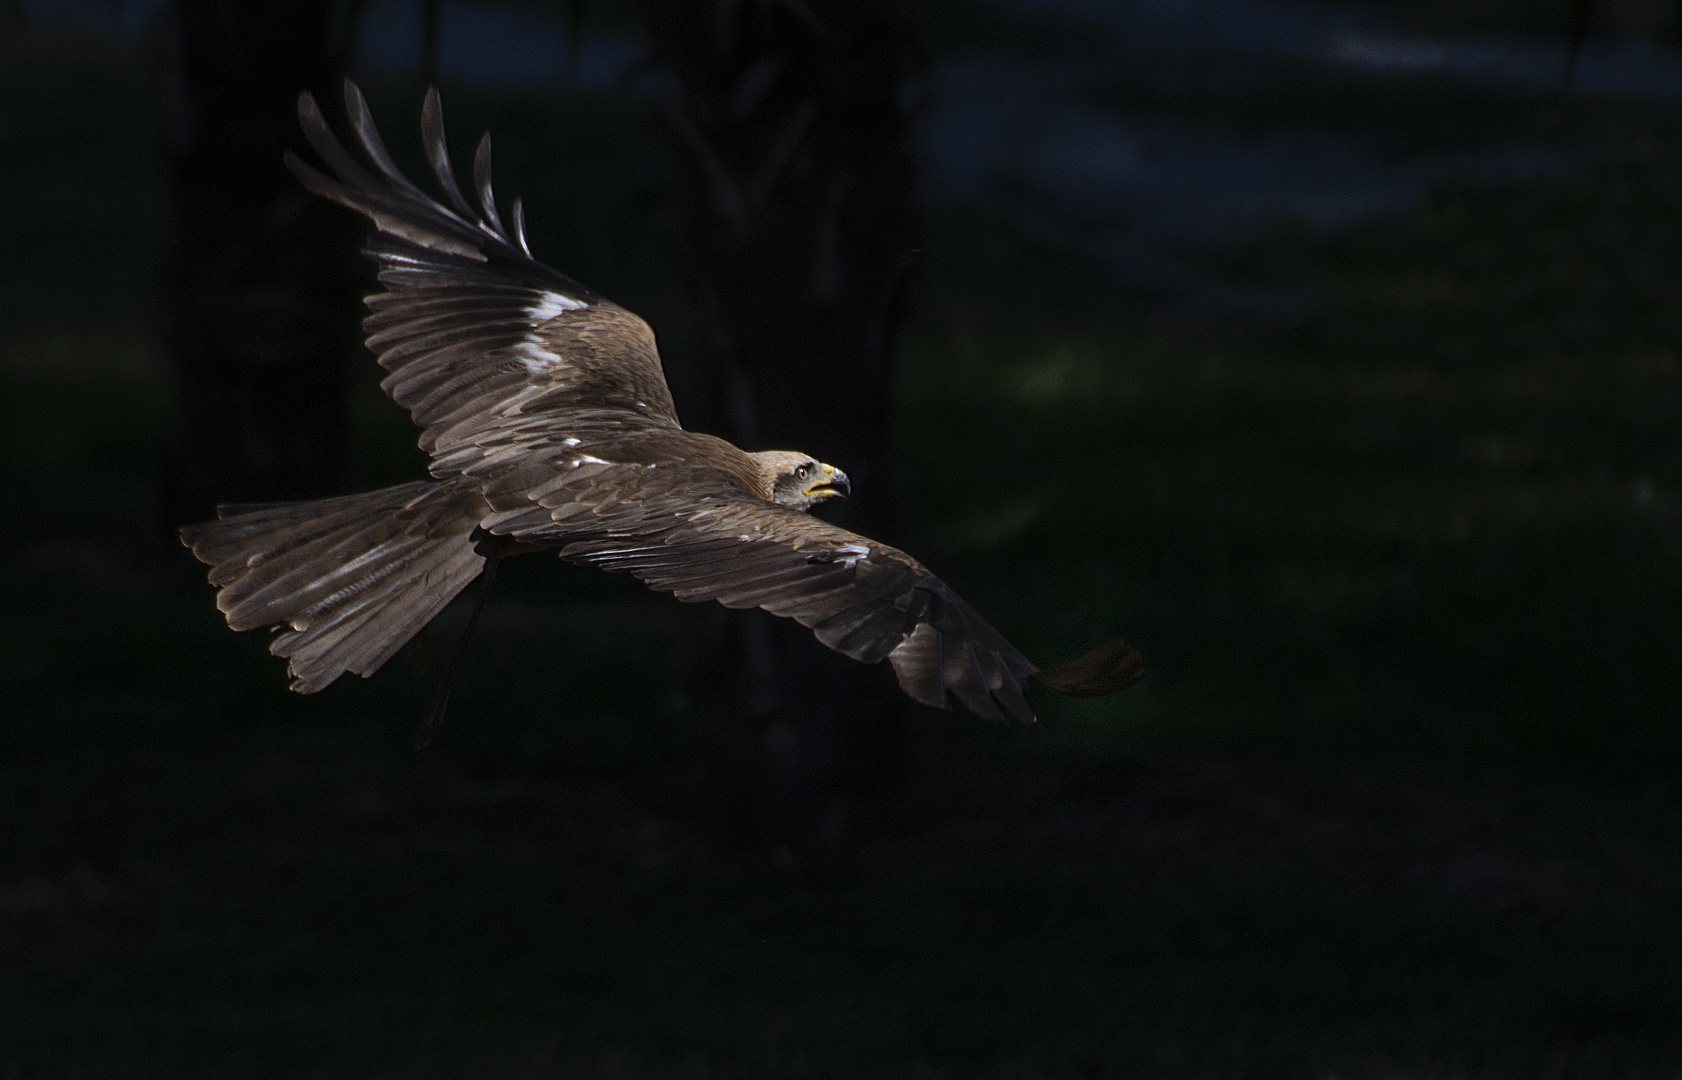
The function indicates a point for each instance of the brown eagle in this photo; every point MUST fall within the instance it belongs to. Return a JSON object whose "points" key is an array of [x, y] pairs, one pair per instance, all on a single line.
{"points": [[547, 416]]}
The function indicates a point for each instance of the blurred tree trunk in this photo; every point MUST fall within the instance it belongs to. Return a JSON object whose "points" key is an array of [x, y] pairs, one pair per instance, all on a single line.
{"points": [[792, 130], [263, 280]]}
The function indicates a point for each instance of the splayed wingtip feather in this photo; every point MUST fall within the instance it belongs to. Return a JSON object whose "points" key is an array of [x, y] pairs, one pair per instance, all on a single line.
{"points": [[1108, 669]]}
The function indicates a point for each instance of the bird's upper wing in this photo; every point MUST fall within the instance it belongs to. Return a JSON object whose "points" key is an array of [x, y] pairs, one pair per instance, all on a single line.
{"points": [[692, 531], [487, 347]]}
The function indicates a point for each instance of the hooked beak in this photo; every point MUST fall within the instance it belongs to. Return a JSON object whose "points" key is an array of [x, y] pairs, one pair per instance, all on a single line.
{"points": [[832, 484]]}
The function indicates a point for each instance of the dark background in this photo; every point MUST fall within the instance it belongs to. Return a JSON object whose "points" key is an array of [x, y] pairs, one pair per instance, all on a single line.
{"points": [[1328, 353]]}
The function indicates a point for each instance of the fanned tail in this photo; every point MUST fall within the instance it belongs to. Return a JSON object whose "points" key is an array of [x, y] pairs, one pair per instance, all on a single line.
{"points": [[352, 578]]}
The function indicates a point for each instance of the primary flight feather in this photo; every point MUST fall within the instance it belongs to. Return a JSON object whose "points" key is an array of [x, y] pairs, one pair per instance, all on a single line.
{"points": [[550, 425]]}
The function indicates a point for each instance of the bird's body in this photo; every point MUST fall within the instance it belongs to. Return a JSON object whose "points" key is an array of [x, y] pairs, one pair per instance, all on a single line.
{"points": [[550, 425]]}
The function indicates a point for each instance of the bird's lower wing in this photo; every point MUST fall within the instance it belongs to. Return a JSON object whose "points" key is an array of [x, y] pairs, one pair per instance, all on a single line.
{"points": [[866, 600]]}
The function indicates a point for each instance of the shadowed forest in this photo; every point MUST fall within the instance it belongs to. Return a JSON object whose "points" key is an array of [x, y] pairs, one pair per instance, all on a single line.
{"points": [[1390, 501]]}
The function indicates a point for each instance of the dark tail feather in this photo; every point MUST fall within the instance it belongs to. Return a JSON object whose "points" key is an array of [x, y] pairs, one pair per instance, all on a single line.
{"points": [[352, 578], [434, 718], [1111, 667]]}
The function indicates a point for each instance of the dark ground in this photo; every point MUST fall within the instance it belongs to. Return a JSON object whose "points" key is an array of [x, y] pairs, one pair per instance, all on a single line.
{"points": [[1398, 799]]}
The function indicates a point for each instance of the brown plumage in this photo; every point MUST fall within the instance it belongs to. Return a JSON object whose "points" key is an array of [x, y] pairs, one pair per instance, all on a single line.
{"points": [[550, 425]]}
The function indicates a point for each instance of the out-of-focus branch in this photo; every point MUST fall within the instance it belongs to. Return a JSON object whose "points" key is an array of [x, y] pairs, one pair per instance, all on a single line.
{"points": [[1581, 22]]}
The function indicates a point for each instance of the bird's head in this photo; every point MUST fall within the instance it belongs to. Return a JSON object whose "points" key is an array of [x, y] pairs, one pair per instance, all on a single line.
{"points": [[800, 481]]}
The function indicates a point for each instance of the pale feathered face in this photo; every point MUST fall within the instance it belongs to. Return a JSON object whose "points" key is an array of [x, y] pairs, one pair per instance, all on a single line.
{"points": [[800, 481]]}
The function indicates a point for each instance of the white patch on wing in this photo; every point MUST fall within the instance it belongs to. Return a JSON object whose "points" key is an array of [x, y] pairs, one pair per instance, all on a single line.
{"points": [[850, 554], [537, 359], [571, 442], [553, 305], [594, 460]]}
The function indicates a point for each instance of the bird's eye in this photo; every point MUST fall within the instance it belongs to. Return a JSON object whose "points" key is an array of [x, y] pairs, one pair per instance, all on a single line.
{"points": [[803, 472]]}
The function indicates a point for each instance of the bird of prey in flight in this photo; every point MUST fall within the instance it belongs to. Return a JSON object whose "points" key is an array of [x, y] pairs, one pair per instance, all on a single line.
{"points": [[546, 413]]}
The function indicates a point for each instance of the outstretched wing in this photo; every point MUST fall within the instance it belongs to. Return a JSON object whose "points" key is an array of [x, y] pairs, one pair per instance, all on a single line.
{"points": [[694, 535], [488, 348]]}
